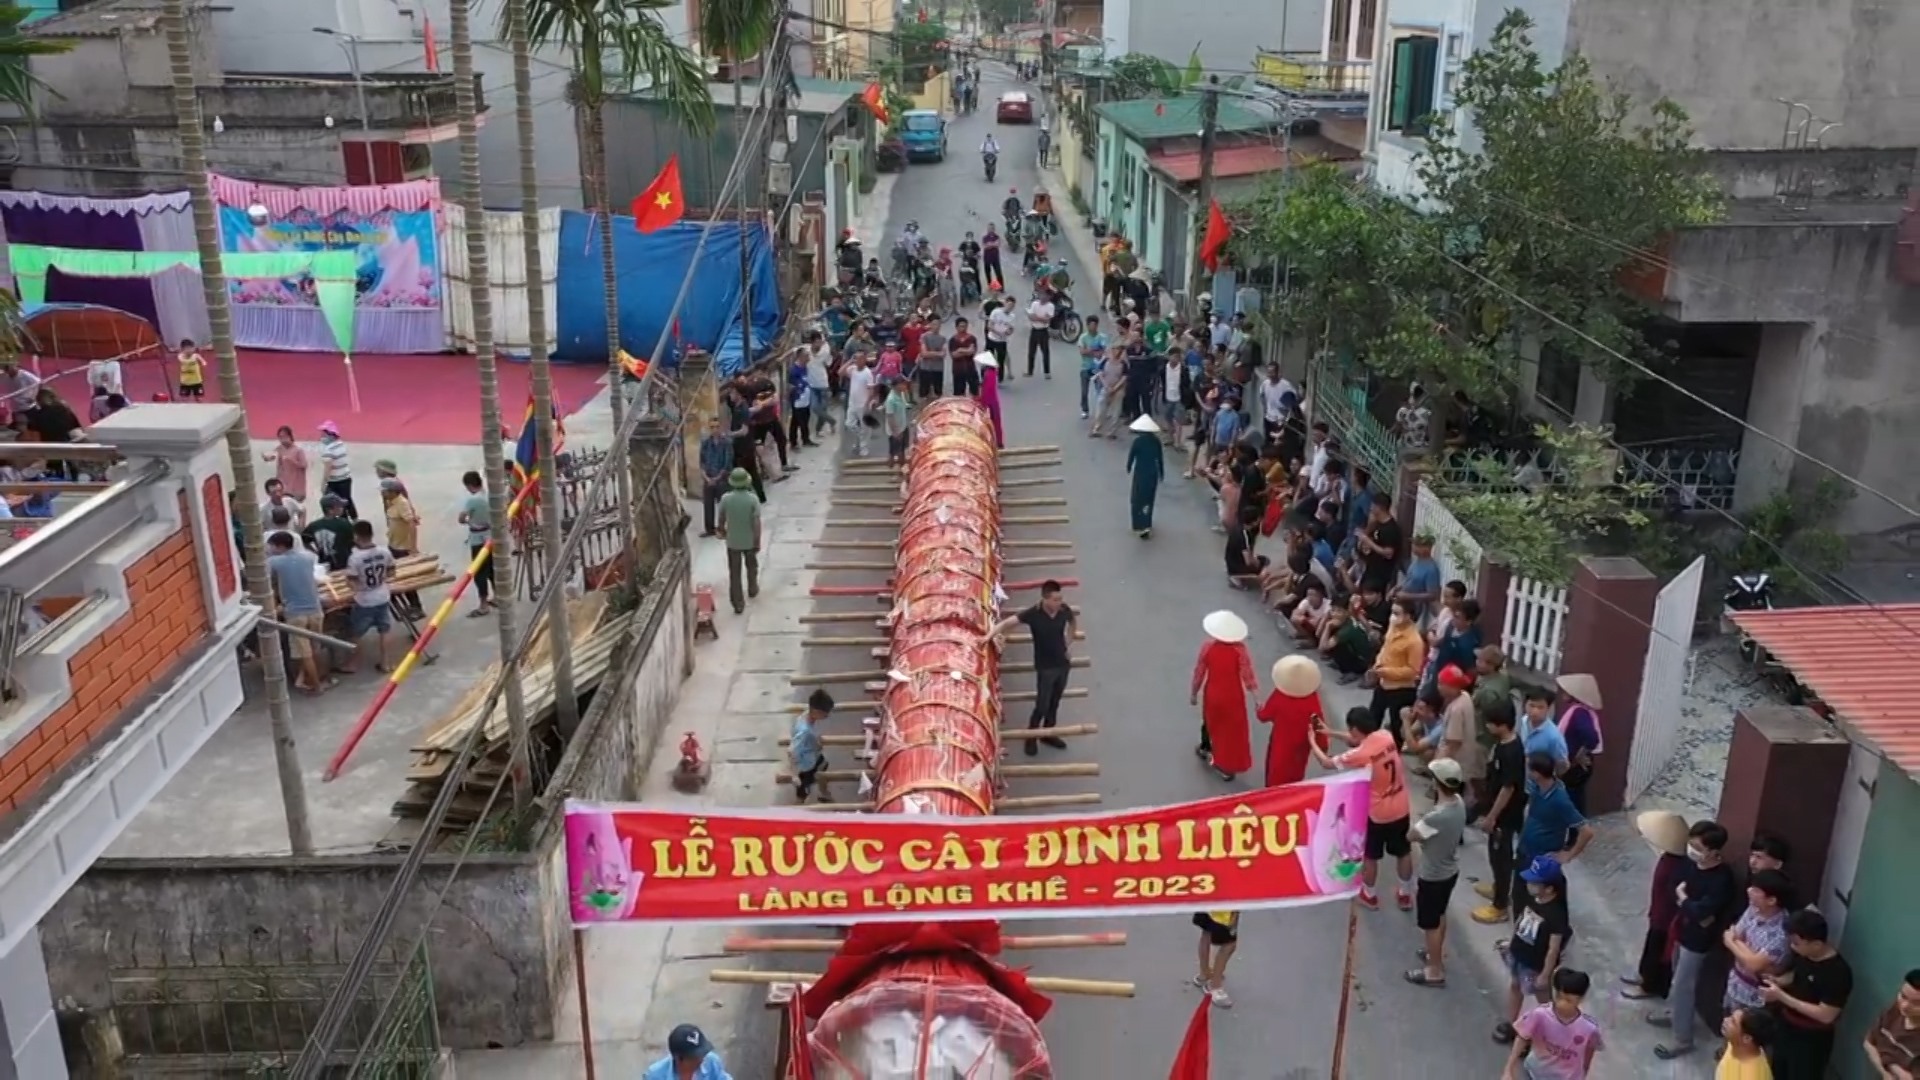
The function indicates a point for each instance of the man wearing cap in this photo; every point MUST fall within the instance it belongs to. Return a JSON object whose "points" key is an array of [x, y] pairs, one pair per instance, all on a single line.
{"points": [[336, 467], [1438, 834], [1460, 726], [689, 1057], [740, 527]]}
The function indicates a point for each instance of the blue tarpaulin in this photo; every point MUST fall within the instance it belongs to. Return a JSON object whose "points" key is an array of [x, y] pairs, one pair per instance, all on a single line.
{"points": [[650, 268]]}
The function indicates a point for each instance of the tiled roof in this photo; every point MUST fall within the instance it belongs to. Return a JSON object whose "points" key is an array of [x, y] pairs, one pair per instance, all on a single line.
{"points": [[1858, 659], [1252, 159], [1148, 119]]}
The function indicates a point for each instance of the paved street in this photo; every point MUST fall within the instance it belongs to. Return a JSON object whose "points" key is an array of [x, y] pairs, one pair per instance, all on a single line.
{"points": [[1144, 603]]}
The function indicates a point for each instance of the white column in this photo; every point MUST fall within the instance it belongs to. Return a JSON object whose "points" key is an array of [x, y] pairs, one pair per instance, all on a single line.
{"points": [[32, 1036]]}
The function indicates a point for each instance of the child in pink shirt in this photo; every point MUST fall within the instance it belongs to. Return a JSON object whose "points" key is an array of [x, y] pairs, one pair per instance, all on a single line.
{"points": [[1557, 1041], [891, 358]]}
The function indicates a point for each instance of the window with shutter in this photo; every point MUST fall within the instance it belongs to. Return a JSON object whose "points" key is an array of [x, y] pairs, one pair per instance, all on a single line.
{"points": [[1400, 97], [1411, 95]]}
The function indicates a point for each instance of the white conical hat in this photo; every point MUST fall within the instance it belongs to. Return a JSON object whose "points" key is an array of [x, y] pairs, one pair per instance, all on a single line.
{"points": [[1144, 425], [1582, 688], [1225, 626], [987, 361], [1296, 676]]}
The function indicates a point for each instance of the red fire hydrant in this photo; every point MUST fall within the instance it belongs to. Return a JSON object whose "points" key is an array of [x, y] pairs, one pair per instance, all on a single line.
{"points": [[694, 770]]}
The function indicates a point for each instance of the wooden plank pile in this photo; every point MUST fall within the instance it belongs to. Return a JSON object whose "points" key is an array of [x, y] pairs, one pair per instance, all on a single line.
{"points": [[593, 634], [414, 573]]}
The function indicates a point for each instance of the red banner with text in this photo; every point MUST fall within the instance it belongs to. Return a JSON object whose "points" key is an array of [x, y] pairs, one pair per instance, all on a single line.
{"points": [[1296, 844]]}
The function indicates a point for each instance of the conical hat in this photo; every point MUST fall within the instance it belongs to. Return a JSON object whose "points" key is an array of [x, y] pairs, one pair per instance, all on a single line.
{"points": [[1225, 626], [1144, 425], [1581, 688], [1296, 676], [1664, 829]]}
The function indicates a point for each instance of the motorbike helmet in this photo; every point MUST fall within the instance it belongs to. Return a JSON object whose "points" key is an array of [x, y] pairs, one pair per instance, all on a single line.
{"points": [[1206, 298]]}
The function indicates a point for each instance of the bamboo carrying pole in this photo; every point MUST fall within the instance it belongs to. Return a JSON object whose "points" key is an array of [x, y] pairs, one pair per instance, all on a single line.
{"points": [[739, 945], [1022, 802], [1044, 984], [835, 678], [1065, 731], [1010, 772]]}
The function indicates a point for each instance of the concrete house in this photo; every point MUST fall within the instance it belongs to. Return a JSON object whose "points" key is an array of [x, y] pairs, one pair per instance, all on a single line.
{"points": [[1799, 312]]}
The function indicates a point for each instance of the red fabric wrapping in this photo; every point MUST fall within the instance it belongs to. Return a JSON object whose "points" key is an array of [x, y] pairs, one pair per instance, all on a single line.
{"points": [[1195, 1059], [939, 751]]}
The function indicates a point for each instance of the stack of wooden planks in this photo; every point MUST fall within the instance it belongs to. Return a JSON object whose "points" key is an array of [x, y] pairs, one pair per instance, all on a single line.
{"points": [[414, 573], [593, 634]]}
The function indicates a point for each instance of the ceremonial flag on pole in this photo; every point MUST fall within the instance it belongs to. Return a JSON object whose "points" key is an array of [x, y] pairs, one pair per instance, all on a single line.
{"points": [[526, 450], [1194, 1061], [662, 203], [433, 48], [1214, 245], [875, 99]]}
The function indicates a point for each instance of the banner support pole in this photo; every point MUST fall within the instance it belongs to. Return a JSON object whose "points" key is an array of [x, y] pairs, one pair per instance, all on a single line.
{"points": [[580, 988], [1346, 993]]}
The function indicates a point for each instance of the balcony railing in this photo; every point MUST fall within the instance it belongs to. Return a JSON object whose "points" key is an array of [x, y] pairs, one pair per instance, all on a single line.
{"points": [[1307, 75]]}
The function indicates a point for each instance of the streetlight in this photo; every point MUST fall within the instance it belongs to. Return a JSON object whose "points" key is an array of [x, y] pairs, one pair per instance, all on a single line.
{"points": [[350, 44]]}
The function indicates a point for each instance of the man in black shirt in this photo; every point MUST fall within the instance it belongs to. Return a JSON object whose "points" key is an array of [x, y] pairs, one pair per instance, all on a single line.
{"points": [[330, 536], [746, 452], [1053, 625], [1706, 893], [1807, 999], [1502, 812], [1379, 546]]}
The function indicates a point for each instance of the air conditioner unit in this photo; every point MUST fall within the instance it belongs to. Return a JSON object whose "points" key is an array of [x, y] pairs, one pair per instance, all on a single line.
{"points": [[779, 178]]}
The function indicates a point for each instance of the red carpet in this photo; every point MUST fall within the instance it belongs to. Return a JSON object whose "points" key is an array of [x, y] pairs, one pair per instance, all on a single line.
{"points": [[403, 399]]}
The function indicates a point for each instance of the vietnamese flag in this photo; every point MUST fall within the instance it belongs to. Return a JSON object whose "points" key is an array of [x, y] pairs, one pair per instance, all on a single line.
{"points": [[1214, 245], [1193, 1062], [662, 203], [875, 101]]}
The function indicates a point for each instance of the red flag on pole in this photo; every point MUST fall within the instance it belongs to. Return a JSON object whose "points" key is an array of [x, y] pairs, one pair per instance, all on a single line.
{"points": [[1214, 245], [1193, 1062], [874, 98], [662, 203], [800, 1057], [433, 48]]}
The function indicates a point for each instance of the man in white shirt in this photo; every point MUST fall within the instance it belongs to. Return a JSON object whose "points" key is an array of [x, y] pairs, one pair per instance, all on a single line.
{"points": [[278, 499], [990, 146], [820, 380], [1319, 453], [859, 400], [1039, 331], [999, 332], [1274, 392], [1172, 400]]}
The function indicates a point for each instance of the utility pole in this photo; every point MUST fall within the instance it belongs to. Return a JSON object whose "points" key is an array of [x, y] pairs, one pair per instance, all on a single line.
{"points": [[1209, 135]]}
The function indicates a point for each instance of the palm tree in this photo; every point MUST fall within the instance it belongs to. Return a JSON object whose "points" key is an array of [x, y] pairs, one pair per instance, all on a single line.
{"points": [[616, 43], [566, 705], [480, 285], [206, 227]]}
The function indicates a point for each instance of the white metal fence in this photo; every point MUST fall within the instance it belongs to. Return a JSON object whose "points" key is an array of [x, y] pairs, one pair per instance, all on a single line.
{"points": [[1664, 679], [1454, 548], [1536, 624]]}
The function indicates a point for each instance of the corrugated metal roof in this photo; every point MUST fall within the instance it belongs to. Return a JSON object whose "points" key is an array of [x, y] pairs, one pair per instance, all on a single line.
{"points": [[1148, 119], [105, 18], [1861, 660]]}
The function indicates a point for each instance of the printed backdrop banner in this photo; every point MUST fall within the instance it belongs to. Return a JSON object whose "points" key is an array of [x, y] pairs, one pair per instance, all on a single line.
{"points": [[397, 278], [1277, 847]]}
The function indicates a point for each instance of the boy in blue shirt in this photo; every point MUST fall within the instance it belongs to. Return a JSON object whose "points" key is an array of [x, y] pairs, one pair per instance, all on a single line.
{"points": [[1093, 351], [805, 748], [1539, 733], [689, 1057], [1226, 426]]}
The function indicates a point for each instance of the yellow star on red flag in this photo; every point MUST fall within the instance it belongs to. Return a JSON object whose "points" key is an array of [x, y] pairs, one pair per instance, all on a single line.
{"points": [[660, 204]]}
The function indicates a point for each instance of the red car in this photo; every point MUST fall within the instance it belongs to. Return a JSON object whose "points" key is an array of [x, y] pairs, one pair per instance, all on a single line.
{"points": [[1015, 107]]}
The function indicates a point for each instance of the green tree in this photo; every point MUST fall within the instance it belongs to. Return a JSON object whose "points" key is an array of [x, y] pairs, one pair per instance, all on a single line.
{"points": [[617, 46], [1000, 14], [921, 47], [1565, 185]]}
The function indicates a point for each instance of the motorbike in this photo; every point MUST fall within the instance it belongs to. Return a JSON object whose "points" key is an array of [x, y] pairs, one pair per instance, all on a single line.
{"points": [[1748, 592], [992, 163], [1067, 324], [969, 283]]}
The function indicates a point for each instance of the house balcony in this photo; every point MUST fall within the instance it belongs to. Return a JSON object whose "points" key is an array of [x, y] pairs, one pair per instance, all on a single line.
{"points": [[120, 619], [1310, 76]]}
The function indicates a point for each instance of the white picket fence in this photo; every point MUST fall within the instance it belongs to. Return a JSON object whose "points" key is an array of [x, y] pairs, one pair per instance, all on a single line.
{"points": [[1664, 679], [1454, 548], [1535, 625]]}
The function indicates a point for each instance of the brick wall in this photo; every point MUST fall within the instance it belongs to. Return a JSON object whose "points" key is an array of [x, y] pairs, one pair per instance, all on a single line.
{"points": [[167, 620]]}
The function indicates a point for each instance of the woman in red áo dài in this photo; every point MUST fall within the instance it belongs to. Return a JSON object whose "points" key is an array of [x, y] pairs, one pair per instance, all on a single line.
{"points": [[1222, 679], [1297, 717]]}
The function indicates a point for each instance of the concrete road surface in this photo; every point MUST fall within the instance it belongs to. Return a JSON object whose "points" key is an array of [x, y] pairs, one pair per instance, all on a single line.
{"points": [[1144, 602]]}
